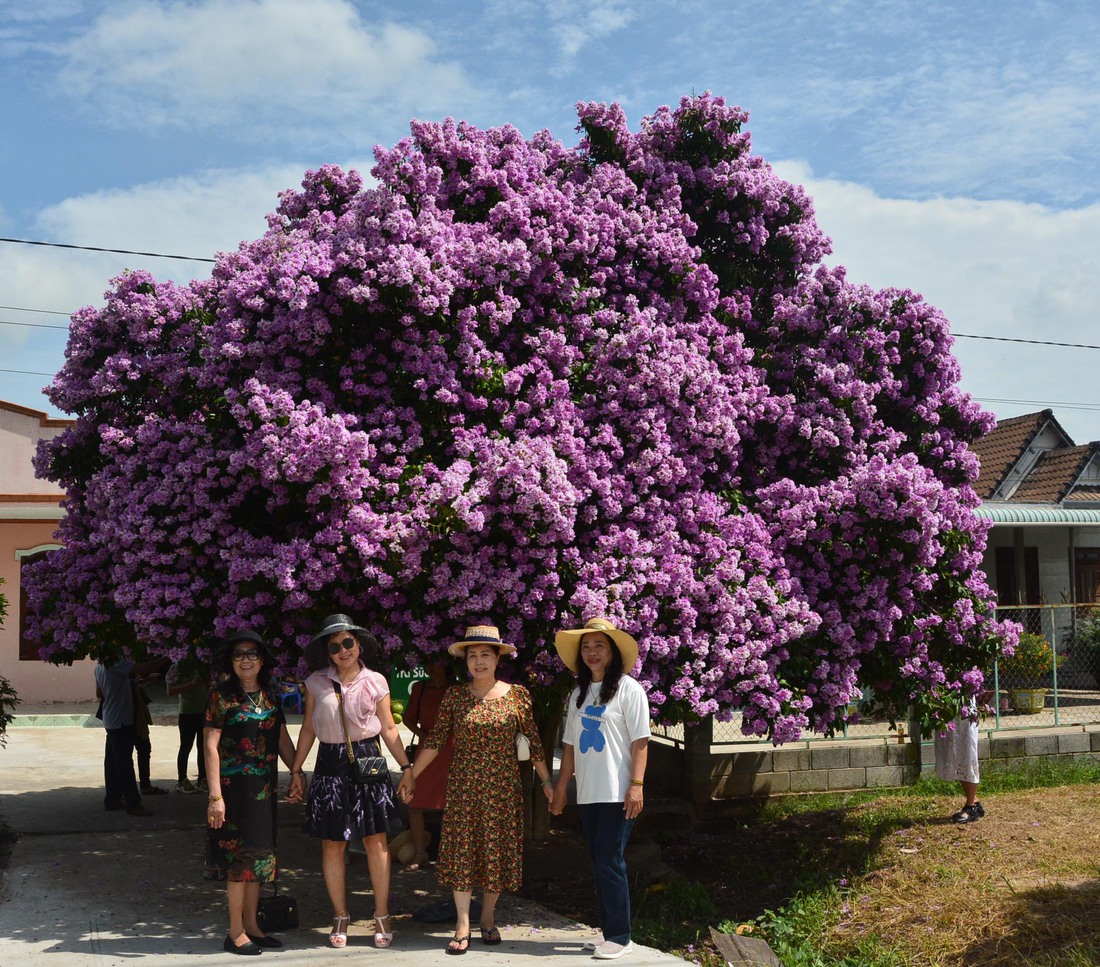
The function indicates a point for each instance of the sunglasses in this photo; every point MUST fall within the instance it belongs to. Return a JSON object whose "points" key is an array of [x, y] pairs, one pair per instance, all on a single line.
{"points": [[250, 655], [346, 643]]}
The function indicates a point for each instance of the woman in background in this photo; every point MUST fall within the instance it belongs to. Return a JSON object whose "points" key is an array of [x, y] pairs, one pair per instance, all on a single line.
{"points": [[420, 716]]}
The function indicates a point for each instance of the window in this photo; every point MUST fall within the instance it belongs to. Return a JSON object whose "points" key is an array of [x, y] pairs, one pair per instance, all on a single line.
{"points": [[28, 649]]}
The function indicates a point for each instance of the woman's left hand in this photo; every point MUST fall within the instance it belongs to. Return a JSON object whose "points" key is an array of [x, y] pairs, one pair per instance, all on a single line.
{"points": [[634, 802]]}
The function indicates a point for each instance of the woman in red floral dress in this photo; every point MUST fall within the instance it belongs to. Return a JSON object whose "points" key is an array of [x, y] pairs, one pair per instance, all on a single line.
{"points": [[481, 846]]}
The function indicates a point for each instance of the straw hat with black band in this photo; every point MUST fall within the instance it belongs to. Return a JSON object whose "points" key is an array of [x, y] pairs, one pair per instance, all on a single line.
{"points": [[481, 635]]}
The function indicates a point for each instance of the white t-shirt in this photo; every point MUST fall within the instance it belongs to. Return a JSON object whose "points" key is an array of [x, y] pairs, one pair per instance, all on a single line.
{"points": [[601, 737]]}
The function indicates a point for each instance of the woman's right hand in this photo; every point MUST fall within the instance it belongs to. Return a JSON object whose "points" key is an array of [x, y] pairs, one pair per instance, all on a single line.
{"points": [[297, 788], [215, 813], [405, 786]]}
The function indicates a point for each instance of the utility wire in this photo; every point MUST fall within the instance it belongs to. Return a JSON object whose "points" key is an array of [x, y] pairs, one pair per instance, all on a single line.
{"points": [[30, 325], [48, 312], [116, 251], [1030, 342]]}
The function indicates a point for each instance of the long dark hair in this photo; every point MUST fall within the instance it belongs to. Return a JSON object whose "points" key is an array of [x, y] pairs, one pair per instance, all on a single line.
{"points": [[610, 684], [223, 665]]}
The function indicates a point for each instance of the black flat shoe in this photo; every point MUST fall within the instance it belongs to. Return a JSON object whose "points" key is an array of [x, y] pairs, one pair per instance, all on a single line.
{"points": [[265, 941], [968, 814], [245, 950]]}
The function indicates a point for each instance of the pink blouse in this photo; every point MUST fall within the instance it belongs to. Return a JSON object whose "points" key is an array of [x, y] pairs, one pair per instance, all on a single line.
{"points": [[361, 697]]}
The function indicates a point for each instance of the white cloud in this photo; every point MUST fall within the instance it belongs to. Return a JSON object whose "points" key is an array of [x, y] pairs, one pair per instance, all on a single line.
{"points": [[577, 23], [995, 268], [257, 64], [198, 216]]}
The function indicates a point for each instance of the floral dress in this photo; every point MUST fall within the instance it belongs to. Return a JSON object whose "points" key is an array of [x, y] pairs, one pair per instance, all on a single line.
{"points": [[481, 846], [244, 848]]}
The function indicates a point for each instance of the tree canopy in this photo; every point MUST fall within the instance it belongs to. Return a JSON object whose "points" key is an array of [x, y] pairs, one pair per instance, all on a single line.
{"points": [[525, 384]]}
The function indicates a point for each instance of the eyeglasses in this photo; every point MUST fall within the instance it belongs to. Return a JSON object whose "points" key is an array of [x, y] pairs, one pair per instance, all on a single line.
{"points": [[250, 655], [346, 643]]}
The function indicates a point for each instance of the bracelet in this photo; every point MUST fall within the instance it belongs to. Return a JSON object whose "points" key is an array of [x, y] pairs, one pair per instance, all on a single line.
{"points": [[407, 765], [637, 782], [213, 799], [546, 783], [297, 772]]}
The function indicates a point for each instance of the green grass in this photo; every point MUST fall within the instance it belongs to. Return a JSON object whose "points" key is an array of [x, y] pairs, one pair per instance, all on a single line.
{"points": [[801, 931]]}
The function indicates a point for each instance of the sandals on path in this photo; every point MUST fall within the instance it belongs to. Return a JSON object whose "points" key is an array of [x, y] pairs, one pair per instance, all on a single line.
{"points": [[490, 936], [338, 938], [382, 938], [459, 945]]}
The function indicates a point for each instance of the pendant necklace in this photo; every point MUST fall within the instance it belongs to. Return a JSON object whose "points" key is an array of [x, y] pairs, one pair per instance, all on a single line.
{"points": [[255, 704]]}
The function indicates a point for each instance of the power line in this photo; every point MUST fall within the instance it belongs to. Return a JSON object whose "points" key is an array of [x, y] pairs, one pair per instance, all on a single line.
{"points": [[48, 312], [26, 372], [94, 248], [31, 325], [1030, 342]]}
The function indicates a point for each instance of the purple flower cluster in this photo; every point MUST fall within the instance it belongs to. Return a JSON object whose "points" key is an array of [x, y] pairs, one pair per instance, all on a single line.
{"points": [[525, 384]]}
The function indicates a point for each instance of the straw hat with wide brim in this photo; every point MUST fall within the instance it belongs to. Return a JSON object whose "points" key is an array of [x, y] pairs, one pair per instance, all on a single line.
{"points": [[568, 643], [481, 635]]}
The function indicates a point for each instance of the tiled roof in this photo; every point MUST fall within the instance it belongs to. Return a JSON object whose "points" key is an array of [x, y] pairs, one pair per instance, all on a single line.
{"points": [[1002, 446], [1053, 476], [1084, 493]]}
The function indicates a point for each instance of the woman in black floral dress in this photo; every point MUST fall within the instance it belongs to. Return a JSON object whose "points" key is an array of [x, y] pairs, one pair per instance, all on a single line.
{"points": [[481, 846], [244, 737]]}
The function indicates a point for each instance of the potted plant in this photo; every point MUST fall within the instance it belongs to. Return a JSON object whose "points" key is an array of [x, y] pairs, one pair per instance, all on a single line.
{"points": [[1024, 673]]}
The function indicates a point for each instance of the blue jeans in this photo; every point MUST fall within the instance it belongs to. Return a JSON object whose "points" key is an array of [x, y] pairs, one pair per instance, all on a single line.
{"points": [[607, 830]]}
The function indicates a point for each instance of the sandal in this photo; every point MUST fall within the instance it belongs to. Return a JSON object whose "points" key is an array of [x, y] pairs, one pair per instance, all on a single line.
{"points": [[452, 949], [490, 936], [381, 937], [339, 936]]}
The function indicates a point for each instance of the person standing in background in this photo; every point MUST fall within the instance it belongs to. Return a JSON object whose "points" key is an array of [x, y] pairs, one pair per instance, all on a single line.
{"points": [[186, 679], [112, 680]]}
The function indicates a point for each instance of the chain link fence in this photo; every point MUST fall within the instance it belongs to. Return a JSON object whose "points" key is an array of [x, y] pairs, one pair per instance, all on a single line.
{"points": [[1053, 687]]}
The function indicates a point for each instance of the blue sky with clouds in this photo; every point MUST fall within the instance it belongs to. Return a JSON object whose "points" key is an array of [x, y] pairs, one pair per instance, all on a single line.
{"points": [[951, 148]]}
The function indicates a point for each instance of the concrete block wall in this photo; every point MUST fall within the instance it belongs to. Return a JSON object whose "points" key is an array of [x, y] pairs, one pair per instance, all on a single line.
{"points": [[755, 771], [1012, 750]]}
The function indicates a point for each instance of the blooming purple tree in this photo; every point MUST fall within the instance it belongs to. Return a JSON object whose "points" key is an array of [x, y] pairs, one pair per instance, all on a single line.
{"points": [[526, 384]]}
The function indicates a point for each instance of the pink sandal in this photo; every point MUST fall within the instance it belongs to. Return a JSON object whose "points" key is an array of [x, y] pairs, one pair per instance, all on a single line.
{"points": [[381, 937], [339, 936]]}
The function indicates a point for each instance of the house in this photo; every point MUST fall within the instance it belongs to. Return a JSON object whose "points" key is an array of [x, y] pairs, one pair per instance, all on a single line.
{"points": [[1041, 491], [29, 512]]}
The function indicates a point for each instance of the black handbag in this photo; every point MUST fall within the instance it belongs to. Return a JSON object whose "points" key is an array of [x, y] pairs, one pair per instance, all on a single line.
{"points": [[275, 913], [365, 769]]}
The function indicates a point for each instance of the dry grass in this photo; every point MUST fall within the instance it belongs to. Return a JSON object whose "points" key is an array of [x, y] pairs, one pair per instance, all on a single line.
{"points": [[1022, 886], [874, 879]]}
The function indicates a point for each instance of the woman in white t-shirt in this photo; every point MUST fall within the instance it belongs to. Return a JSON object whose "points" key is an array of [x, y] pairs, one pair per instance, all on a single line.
{"points": [[605, 743]]}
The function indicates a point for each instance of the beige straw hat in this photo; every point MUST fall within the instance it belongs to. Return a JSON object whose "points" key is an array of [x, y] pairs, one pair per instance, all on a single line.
{"points": [[568, 643]]}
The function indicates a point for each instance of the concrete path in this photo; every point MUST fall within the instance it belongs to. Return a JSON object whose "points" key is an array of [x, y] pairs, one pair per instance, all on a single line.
{"points": [[90, 888]]}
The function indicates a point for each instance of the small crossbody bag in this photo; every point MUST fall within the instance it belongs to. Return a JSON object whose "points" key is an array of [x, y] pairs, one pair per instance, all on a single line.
{"points": [[365, 769]]}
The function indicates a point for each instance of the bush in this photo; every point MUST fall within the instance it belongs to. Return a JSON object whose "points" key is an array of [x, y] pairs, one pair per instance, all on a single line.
{"points": [[1086, 644], [8, 698], [1032, 661]]}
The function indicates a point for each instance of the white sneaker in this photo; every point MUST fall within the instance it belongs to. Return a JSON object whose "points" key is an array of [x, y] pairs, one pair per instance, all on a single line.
{"points": [[591, 944], [609, 950]]}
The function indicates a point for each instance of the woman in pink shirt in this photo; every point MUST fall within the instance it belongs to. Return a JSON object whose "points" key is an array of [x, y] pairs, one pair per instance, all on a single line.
{"points": [[340, 809]]}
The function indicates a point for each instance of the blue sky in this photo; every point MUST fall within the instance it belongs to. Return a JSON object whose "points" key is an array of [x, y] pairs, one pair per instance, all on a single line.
{"points": [[952, 148]]}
